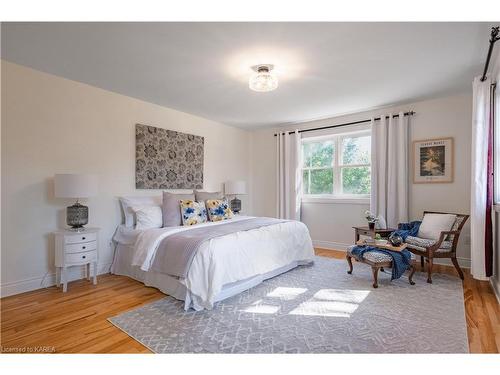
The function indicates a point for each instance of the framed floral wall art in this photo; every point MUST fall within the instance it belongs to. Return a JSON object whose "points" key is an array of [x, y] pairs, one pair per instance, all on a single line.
{"points": [[167, 159], [433, 161]]}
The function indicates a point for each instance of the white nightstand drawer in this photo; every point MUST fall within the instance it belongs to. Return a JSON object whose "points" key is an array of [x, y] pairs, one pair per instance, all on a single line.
{"points": [[80, 247], [88, 256], [80, 237]]}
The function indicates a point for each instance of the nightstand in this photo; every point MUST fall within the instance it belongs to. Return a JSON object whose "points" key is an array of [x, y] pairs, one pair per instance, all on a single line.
{"points": [[75, 249]]}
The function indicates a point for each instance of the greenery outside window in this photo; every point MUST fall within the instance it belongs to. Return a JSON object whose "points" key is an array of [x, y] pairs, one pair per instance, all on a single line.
{"points": [[337, 166]]}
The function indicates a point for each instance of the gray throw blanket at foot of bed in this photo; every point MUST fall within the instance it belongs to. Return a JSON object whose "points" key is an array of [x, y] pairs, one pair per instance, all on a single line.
{"points": [[176, 252]]}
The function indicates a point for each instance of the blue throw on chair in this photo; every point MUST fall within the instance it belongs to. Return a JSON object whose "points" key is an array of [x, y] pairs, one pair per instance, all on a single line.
{"points": [[408, 229]]}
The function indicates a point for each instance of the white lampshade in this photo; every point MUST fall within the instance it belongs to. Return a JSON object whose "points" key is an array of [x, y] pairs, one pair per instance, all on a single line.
{"points": [[75, 185], [235, 187]]}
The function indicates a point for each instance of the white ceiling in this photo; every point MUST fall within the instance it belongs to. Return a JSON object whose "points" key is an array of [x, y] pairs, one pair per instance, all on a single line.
{"points": [[324, 69]]}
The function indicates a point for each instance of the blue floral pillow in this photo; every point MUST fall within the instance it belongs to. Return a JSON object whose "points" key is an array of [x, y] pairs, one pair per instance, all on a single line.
{"points": [[218, 210], [193, 212]]}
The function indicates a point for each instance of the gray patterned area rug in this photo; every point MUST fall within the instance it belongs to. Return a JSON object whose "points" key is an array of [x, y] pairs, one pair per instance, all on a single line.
{"points": [[313, 309]]}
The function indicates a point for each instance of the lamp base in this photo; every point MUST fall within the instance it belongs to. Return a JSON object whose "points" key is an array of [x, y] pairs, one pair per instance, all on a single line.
{"points": [[77, 216], [236, 205]]}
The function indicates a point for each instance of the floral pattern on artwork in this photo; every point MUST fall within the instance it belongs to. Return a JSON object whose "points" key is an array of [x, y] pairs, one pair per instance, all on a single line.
{"points": [[193, 212], [166, 159], [218, 210]]}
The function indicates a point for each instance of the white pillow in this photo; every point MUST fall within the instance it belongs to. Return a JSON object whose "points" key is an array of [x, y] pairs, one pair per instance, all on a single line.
{"points": [[433, 224], [148, 217], [129, 202]]}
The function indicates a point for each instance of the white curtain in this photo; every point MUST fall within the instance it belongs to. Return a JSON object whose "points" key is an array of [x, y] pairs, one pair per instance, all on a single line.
{"points": [[288, 186], [479, 158], [389, 175]]}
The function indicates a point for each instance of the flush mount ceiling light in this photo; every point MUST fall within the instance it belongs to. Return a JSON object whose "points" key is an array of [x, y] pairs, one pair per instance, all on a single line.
{"points": [[263, 80]]}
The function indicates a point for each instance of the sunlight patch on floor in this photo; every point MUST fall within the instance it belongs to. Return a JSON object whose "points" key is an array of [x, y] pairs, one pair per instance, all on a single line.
{"points": [[325, 308], [325, 302], [332, 302], [345, 295], [286, 293], [258, 307]]}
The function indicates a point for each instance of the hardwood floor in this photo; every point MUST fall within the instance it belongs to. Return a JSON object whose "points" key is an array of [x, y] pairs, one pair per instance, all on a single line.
{"points": [[75, 322]]}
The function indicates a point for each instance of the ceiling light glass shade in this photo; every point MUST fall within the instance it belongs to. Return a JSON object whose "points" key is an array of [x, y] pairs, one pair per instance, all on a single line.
{"points": [[263, 80]]}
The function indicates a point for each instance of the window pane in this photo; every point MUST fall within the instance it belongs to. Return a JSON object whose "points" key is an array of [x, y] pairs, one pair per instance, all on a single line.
{"points": [[321, 181], [317, 154], [356, 180], [305, 182], [356, 150]]}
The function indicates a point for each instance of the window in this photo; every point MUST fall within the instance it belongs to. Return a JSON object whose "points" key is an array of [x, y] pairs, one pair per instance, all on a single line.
{"points": [[337, 166]]}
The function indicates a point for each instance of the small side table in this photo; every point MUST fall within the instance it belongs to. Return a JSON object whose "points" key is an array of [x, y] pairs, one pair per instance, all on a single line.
{"points": [[75, 249], [365, 231]]}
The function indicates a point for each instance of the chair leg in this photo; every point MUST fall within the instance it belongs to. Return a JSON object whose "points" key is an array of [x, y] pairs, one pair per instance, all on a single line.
{"points": [[459, 270], [349, 260], [375, 277], [429, 271], [422, 263]]}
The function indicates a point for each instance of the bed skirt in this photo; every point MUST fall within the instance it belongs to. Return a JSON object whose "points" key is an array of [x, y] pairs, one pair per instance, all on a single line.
{"points": [[122, 265]]}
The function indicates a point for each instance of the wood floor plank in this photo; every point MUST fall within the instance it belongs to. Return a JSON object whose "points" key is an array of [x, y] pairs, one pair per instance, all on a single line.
{"points": [[76, 321]]}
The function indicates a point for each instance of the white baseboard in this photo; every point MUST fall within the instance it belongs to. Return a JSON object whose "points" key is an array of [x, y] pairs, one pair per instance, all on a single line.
{"points": [[27, 285], [496, 289], [463, 262], [329, 245]]}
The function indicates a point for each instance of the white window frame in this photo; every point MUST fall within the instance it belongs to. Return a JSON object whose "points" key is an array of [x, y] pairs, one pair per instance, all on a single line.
{"points": [[337, 196]]}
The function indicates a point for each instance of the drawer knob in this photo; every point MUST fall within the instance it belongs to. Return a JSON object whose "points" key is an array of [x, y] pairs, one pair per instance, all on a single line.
{"points": [[83, 256], [83, 247], [83, 238]]}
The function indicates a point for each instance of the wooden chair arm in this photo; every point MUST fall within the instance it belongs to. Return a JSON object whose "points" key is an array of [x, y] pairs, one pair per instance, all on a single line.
{"points": [[442, 237]]}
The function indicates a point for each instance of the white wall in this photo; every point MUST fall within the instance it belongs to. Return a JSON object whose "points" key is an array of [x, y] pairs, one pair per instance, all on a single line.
{"points": [[331, 224], [54, 125]]}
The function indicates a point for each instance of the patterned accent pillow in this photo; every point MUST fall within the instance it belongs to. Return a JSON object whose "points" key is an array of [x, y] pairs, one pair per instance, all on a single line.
{"points": [[218, 210], [193, 212]]}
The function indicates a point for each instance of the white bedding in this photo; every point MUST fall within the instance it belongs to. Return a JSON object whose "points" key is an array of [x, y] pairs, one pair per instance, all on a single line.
{"points": [[229, 258]]}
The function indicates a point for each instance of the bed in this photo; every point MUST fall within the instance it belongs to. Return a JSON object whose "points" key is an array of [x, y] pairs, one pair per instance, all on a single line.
{"points": [[222, 266]]}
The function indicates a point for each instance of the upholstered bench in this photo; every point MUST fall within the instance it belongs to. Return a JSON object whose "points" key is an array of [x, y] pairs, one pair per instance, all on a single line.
{"points": [[378, 261]]}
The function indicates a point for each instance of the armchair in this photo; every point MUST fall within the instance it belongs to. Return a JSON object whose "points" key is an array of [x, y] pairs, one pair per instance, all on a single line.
{"points": [[444, 247]]}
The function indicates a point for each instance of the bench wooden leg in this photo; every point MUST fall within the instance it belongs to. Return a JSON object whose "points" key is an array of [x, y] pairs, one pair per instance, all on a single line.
{"points": [[349, 260], [375, 276], [422, 263], [412, 271]]}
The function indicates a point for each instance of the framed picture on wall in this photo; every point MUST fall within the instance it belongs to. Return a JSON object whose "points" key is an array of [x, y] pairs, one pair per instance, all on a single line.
{"points": [[433, 161]]}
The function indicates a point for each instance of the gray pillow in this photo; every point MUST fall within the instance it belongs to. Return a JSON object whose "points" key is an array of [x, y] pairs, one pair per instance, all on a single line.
{"points": [[202, 196], [171, 208]]}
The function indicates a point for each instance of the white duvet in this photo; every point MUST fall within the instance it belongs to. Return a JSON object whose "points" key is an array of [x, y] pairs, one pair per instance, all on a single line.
{"points": [[232, 257]]}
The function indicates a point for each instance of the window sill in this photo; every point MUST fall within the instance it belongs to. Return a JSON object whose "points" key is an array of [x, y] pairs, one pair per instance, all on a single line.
{"points": [[336, 200]]}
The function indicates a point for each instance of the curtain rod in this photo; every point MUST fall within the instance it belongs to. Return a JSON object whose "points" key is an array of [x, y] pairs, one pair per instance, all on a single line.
{"points": [[410, 113], [494, 38]]}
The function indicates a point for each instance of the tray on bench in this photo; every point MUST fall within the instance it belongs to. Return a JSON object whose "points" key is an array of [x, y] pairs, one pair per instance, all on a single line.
{"points": [[387, 246]]}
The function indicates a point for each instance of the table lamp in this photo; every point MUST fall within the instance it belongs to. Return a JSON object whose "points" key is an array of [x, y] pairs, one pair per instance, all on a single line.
{"points": [[235, 188], [76, 186]]}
